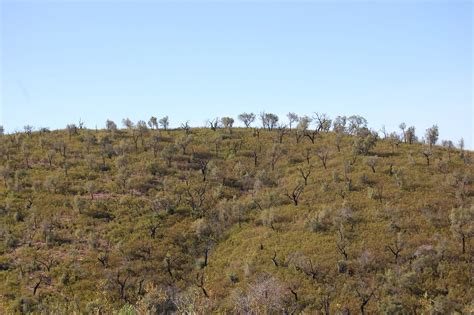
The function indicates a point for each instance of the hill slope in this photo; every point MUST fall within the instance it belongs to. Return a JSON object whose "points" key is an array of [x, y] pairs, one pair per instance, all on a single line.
{"points": [[233, 220]]}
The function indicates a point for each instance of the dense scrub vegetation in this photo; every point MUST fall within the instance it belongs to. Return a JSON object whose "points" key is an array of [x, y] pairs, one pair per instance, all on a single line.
{"points": [[317, 216]]}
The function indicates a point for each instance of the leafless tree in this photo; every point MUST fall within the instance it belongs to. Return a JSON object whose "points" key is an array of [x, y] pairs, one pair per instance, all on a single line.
{"points": [[281, 132], [323, 154], [305, 174], [200, 283], [427, 153], [295, 194], [275, 154], [341, 242], [449, 146], [213, 123], [396, 247]]}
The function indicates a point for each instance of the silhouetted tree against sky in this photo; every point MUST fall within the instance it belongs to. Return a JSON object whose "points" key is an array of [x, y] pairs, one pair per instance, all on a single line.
{"points": [[247, 118]]}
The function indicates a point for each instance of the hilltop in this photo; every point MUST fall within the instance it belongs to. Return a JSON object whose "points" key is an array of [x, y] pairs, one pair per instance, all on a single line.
{"points": [[319, 217]]}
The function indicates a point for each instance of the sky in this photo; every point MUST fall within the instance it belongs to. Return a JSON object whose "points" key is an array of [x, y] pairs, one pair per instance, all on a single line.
{"points": [[389, 61]]}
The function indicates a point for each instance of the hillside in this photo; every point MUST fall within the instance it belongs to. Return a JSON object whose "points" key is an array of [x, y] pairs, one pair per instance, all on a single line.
{"points": [[330, 219]]}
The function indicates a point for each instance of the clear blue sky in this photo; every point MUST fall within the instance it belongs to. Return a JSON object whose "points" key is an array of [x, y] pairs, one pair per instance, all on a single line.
{"points": [[389, 61]]}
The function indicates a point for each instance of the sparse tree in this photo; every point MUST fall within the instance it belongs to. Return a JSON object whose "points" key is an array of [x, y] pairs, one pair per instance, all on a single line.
{"points": [[364, 291], [410, 136], [396, 247], [449, 146], [427, 153], [338, 141], [247, 119], [402, 127], [269, 120], [323, 154], [305, 174], [110, 125], [275, 154], [308, 152], [71, 130], [164, 122], [462, 224], [364, 141], [323, 122], [432, 135], [184, 142], [295, 194], [91, 188], [127, 123], [292, 118], [281, 132], [153, 122], [186, 127], [356, 123], [339, 124], [461, 147], [168, 153], [371, 162], [227, 122], [342, 242], [28, 129]]}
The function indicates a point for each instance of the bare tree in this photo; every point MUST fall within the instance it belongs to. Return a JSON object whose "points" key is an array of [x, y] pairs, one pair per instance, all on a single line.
{"points": [[214, 123], [295, 194], [427, 153], [196, 197], [396, 247], [71, 130], [305, 174], [364, 292], [186, 127], [122, 283], [323, 154], [275, 154], [281, 132], [200, 283], [449, 146], [342, 243], [338, 141]]}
